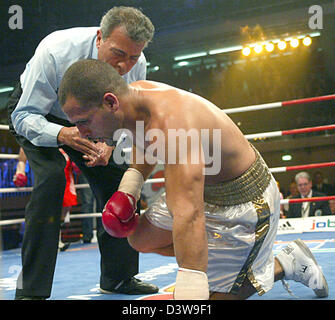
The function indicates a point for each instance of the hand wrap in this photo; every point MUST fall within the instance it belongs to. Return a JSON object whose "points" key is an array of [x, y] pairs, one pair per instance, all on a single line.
{"points": [[191, 285]]}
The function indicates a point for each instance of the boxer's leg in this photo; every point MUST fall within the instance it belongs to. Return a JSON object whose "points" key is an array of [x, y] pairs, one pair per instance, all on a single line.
{"points": [[247, 289]]}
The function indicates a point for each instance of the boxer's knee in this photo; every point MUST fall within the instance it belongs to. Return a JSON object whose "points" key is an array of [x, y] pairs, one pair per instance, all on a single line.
{"points": [[148, 238], [138, 244]]}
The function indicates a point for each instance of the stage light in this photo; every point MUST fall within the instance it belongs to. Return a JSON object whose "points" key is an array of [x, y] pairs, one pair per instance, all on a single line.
{"points": [[269, 47], [282, 45], [258, 48], [307, 41], [183, 63], [225, 50], [286, 157], [246, 51], [294, 43], [191, 56]]}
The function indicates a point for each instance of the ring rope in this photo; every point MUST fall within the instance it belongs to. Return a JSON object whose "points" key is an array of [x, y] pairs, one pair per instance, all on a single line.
{"points": [[279, 104], [72, 216], [98, 214], [248, 136], [4, 127], [273, 134], [29, 189], [299, 200], [273, 170], [160, 180], [259, 106], [9, 156]]}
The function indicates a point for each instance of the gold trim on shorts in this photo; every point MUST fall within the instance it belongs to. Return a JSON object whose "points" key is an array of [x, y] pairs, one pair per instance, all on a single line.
{"points": [[262, 228], [248, 187]]}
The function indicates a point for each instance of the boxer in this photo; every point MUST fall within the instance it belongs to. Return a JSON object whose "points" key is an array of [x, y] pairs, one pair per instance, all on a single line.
{"points": [[220, 227]]}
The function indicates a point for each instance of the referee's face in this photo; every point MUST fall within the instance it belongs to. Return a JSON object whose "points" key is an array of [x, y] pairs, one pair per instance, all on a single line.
{"points": [[119, 50]]}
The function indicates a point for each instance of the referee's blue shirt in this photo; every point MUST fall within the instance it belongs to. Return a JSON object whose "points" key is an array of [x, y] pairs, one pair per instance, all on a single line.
{"points": [[42, 76]]}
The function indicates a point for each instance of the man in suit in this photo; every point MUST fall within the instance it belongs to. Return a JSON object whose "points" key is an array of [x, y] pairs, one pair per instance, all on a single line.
{"points": [[307, 209], [320, 186]]}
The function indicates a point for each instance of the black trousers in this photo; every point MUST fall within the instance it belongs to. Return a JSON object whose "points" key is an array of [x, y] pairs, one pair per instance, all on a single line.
{"points": [[42, 214]]}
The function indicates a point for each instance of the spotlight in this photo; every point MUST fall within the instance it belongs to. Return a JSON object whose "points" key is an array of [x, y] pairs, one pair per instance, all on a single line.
{"points": [[307, 41], [282, 45], [286, 157], [269, 47], [246, 51], [294, 43], [183, 63], [258, 48]]}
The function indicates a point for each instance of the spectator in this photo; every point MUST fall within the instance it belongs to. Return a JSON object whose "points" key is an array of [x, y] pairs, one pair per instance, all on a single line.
{"points": [[332, 206], [320, 186], [307, 209], [293, 192], [282, 213]]}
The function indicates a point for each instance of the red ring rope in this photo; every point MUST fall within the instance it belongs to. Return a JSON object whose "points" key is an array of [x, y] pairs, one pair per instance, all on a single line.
{"points": [[310, 199], [308, 100]]}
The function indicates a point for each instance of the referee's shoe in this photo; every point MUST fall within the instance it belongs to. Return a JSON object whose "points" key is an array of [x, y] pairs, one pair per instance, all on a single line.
{"points": [[131, 286]]}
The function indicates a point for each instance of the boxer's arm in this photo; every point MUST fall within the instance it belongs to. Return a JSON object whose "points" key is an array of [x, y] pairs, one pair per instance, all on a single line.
{"points": [[184, 185], [21, 165], [134, 178], [118, 217], [184, 194], [20, 178], [138, 162]]}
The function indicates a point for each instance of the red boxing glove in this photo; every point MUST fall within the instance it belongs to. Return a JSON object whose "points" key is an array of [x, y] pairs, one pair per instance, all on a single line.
{"points": [[118, 217], [20, 180]]}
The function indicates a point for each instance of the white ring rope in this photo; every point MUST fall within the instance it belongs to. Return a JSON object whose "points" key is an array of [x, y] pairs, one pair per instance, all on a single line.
{"points": [[9, 156], [98, 214], [72, 216], [4, 127], [161, 180]]}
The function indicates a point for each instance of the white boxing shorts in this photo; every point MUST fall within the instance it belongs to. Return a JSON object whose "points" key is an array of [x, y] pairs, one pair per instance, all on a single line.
{"points": [[241, 222]]}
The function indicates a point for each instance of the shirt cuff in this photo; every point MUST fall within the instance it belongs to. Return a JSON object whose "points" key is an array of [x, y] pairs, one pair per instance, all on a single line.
{"points": [[49, 138]]}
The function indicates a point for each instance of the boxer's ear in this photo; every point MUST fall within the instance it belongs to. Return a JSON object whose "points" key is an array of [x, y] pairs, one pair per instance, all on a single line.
{"points": [[111, 101]]}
